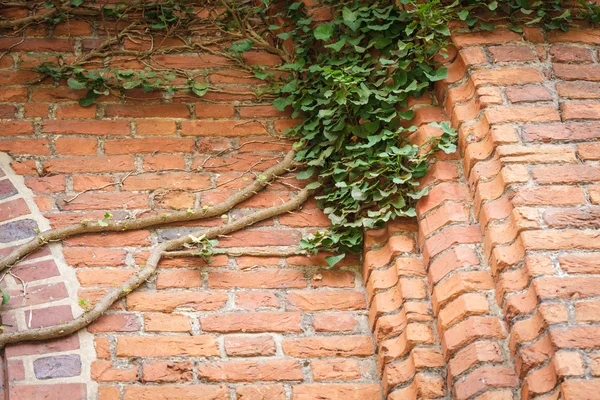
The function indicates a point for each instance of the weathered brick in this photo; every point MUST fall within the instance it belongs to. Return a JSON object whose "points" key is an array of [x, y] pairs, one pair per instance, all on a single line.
{"points": [[252, 322], [167, 346]]}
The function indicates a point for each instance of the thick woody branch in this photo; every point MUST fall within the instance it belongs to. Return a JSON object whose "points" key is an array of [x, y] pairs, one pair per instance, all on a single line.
{"points": [[126, 225], [151, 264]]}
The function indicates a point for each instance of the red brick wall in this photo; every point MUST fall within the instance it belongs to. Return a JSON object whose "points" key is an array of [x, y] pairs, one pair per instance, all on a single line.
{"points": [[491, 293]]}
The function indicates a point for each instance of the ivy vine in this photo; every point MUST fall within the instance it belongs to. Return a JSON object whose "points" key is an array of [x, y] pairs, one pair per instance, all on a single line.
{"points": [[348, 80]]}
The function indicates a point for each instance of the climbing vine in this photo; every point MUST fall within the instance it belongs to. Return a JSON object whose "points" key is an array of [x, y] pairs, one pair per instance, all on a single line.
{"points": [[347, 79]]}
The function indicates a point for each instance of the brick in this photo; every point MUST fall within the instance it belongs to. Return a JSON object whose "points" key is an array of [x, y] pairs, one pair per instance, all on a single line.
{"points": [[167, 371], [260, 279], [502, 115], [175, 301], [561, 239], [477, 352], [102, 347], [16, 128], [335, 369], [574, 72], [566, 174], [568, 363], [13, 209], [153, 181], [98, 128], [337, 391], [103, 278], [163, 162], [60, 366], [94, 257], [225, 128], [178, 279], [76, 146], [260, 58], [251, 371], [105, 201], [256, 300], [585, 337], [567, 131], [26, 146], [48, 316], [179, 392], [260, 392], [573, 217], [579, 263], [464, 306], [206, 110], [549, 195], [578, 90], [469, 330], [566, 287], [338, 322], [156, 128], [249, 346], [50, 184], [7, 189], [252, 322], [334, 279], [74, 391], [167, 346], [512, 53], [147, 111], [570, 54], [74, 111], [17, 230], [320, 301], [36, 271], [70, 165], [329, 346], [104, 371], [484, 378], [149, 145], [156, 322], [580, 111], [581, 389], [507, 77], [191, 62], [528, 94]]}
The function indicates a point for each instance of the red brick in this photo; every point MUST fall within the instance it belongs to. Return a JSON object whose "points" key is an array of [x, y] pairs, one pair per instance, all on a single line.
{"points": [[51, 184], [169, 302], [568, 131], [154, 145], [320, 301], [574, 72], [585, 337], [156, 128], [260, 279], [147, 111], [569, 54], [225, 128], [528, 94], [16, 128], [260, 392], [252, 322], [338, 322], [580, 389], [102, 277], [115, 323], [335, 369], [249, 346], [156, 322], [103, 183], [103, 371], [498, 36], [337, 391], [106, 201], [329, 346], [578, 90], [26, 146], [335, 279], [178, 279], [179, 392], [167, 346], [153, 181], [207, 110], [167, 371], [512, 53], [69, 111], [566, 174], [90, 165], [580, 110], [507, 114], [48, 392], [251, 371], [76, 146], [98, 128]]}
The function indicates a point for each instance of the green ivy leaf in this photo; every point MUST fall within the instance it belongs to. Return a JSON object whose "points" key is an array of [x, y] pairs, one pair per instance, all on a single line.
{"points": [[75, 84], [5, 297], [324, 32], [333, 260], [241, 46]]}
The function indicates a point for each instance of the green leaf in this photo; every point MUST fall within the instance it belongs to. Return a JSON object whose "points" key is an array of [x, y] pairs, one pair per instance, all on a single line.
{"points": [[463, 15], [75, 84], [333, 260], [307, 173], [313, 185], [5, 297], [438, 74], [76, 3], [323, 32], [241, 46], [281, 103]]}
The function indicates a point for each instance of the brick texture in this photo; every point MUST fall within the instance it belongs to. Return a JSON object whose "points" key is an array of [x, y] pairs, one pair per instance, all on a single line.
{"points": [[491, 292]]}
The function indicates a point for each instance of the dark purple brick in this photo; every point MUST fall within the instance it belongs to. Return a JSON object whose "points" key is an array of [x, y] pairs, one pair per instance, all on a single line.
{"points": [[36, 271], [6, 189], [57, 366], [17, 230], [49, 316]]}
